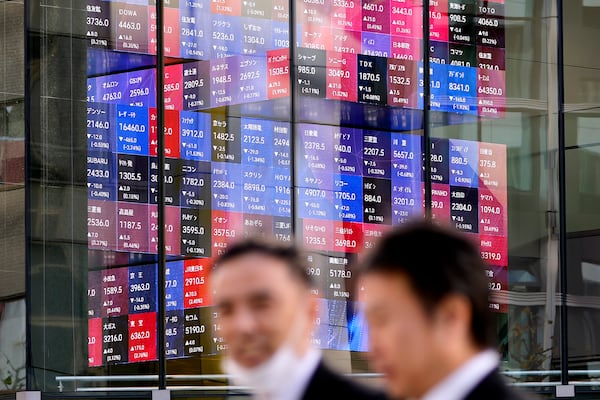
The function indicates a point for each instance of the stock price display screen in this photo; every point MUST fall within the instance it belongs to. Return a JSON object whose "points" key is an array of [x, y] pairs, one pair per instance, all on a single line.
{"points": [[228, 176], [225, 177], [354, 184], [349, 50], [371, 52]]}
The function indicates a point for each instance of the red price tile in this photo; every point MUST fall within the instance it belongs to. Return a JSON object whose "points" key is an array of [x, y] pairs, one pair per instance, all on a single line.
{"points": [[494, 250], [174, 87], [317, 234], [102, 225], [372, 233], [142, 337], [171, 31], [278, 75], [341, 76], [492, 212], [226, 228], [346, 14], [343, 41], [172, 129], [347, 237], [402, 83], [226, 7], [440, 202], [316, 37], [438, 20], [406, 18], [492, 167], [95, 342], [172, 229], [406, 48], [132, 228], [115, 296], [196, 292], [491, 89]]}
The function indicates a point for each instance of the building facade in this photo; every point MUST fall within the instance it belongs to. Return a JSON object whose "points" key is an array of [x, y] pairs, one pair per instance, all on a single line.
{"points": [[312, 121]]}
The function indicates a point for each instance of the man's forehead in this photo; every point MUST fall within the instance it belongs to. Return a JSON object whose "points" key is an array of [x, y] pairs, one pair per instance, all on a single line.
{"points": [[248, 283], [378, 285], [256, 268], [389, 291], [263, 263]]}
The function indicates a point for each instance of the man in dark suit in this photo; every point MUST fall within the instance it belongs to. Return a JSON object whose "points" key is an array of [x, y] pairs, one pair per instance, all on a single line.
{"points": [[266, 311], [426, 305]]}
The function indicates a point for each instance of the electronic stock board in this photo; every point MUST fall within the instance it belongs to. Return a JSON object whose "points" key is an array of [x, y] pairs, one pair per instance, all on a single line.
{"points": [[229, 176]]}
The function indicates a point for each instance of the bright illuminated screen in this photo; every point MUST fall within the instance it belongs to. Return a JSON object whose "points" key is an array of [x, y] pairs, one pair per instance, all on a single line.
{"points": [[353, 149]]}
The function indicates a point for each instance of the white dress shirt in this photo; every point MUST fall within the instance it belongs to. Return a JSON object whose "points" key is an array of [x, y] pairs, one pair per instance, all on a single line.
{"points": [[463, 380], [296, 383]]}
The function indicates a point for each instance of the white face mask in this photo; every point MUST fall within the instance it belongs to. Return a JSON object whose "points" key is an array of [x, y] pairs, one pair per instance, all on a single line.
{"points": [[272, 374], [268, 376]]}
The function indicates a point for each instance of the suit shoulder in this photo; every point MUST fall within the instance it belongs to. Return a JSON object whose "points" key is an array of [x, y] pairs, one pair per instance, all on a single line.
{"points": [[493, 387], [326, 384]]}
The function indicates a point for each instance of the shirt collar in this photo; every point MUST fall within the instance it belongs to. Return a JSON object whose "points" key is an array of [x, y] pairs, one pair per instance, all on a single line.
{"points": [[295, 385], [463, 380]]}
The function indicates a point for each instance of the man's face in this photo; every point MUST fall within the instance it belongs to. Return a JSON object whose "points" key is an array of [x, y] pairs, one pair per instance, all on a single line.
{"points": [[402, 337], [260, 304]]}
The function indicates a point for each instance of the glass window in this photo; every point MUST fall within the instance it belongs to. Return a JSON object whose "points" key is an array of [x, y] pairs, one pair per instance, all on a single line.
{"points": [[12, 345], [12, 198], [318, 133], [227, 174], [497, 185], [582, 84], [56, 185], [12, 152]]}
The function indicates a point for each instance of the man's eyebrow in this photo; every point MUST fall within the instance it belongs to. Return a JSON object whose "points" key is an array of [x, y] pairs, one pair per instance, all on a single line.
{"points": [[257, 296], [223, 303], [260, 295]]}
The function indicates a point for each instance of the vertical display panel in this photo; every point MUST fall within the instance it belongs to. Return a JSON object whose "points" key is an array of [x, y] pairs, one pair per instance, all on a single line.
{"points": [[468, 194]]}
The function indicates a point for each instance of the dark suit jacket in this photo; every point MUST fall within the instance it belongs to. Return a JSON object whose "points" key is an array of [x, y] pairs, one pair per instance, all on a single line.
{"points": [[493, 387], [328, 385]]}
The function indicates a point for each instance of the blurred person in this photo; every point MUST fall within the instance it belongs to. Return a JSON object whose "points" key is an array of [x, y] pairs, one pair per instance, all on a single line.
{"points": [[430, 328], [266, 313]]}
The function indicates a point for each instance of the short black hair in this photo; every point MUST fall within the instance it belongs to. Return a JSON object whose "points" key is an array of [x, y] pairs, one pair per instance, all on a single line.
{"points": [[437, 262], [291, 255]]}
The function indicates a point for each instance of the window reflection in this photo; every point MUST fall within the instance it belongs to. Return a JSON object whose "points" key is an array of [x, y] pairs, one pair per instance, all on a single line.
{"points": [[12, 145], [12, 345]]}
